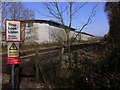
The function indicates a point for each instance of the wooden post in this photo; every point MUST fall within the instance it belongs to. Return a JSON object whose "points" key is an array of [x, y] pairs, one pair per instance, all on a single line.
{"points": [[60, 62], [39, 69], [36, 67]]}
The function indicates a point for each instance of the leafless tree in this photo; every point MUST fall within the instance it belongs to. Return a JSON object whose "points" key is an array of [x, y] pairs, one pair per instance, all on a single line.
{"points": [[17, 11], [4, 11], [71, 9], [59, 13]]}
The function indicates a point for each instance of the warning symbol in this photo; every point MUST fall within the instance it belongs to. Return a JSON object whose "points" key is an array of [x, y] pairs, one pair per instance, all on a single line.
{"points": [[13, 47]]}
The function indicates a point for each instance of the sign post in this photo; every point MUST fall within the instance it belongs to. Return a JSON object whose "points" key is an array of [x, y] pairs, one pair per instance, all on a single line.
{"points": [[13, 77], [13, 37]]}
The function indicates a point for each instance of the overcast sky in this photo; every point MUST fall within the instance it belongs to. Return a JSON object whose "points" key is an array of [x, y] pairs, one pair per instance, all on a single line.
{"points": [[99, 27]]}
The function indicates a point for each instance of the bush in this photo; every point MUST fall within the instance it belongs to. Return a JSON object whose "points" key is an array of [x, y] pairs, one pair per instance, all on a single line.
{"points": [[103, 75], [110, 69]]}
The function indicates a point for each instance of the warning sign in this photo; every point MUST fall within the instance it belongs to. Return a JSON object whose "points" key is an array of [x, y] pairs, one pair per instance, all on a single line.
{"points": [[13, 49], [12, 60], [13, 37]]}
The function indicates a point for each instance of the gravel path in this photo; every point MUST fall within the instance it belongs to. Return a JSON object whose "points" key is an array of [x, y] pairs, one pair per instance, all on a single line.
{"points": [[26, 83]]}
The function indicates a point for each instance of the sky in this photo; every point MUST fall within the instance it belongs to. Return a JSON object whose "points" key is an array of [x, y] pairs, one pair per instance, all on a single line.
{"points": [[98, 27]]}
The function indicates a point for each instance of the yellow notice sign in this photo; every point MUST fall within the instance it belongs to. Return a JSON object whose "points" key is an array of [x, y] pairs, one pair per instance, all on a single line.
{"points": [[13, 49], [13, 53]]}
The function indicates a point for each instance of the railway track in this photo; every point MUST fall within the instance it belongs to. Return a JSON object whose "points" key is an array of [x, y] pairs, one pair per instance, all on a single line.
{"points": [[28, 56]]}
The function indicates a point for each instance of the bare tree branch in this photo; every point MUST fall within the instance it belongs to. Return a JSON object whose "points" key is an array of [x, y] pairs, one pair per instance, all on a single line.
{"points": [[46, 15], [57, 12], [89, 21], [51, 11], [77, 8], [4, 10], [64, 9], [70, 22]]}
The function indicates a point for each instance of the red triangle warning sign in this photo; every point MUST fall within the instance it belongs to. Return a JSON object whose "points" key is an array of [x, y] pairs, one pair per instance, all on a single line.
{"points": [[13, 47]]}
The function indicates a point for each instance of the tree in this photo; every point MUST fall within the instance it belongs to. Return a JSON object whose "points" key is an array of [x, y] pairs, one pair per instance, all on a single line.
{"points": [[17, 11], [4, 11], [71, 9], [59, 13], [113, 12]]}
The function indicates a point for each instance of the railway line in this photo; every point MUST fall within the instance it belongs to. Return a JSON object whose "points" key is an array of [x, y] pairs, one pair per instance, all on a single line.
{"points": [[27, 56]]}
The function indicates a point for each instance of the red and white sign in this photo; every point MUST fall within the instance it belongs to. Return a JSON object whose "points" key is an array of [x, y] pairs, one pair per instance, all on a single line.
{"points": [[13, 60], [13, 31], [13, 37]]}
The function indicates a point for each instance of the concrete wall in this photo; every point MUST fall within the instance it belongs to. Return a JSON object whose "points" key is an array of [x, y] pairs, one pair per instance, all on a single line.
{"points": [[56, 34], [72, 34], [85, 37], [38, 33], [48, 33], [42, 32]]}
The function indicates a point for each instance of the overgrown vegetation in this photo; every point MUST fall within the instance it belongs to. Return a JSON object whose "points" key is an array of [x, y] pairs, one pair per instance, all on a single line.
{"points": [[85, 72]]}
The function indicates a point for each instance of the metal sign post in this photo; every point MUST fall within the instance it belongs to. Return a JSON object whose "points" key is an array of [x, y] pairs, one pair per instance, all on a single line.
{"points": [[13, 37], [13, 76]]}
